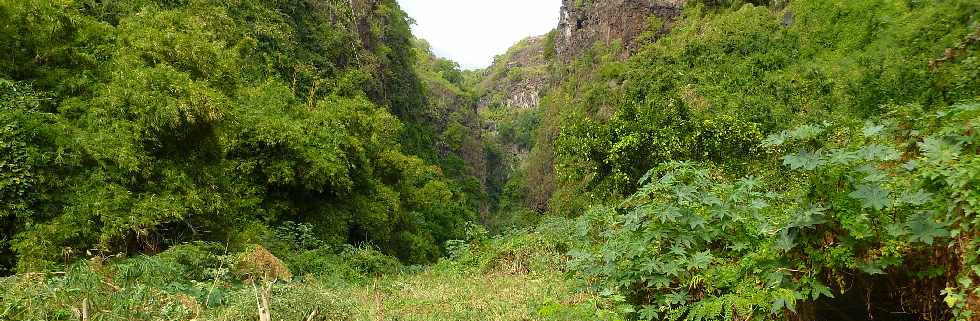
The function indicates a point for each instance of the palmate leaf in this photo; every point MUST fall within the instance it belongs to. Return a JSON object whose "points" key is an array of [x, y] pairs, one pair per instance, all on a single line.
{"points": [[671, 268], [842, 156], [896, 229], [784, 302], [710, 199], [786, 240], [649, 312], [781, 303], [685, 193], [805, 132], [678, 250], [876, 176], [695, 221], [669, 214], [872, 173], [721, 212], [938, 150], [871, 130], [775, 139], [910, 165], [809, 217], [871, 196], [738, 246], [924, 229], [870, 268], [675, 298], [774, 279], [818, 290], [684, 240], [749, 183], [805, 159], [918, 197], [879, 152], [652, 265], [764, 227], [699, 260], [634, 219]]}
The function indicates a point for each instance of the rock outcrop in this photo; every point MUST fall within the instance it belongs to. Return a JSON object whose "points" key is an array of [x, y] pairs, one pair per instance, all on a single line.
{"points": [[586, 22], [516, 78]]}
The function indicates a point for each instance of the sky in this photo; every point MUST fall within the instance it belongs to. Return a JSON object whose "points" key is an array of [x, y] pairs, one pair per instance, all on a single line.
{"points": [[472, 32]]}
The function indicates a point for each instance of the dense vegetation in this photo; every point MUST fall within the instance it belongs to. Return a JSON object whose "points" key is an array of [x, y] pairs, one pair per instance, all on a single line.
{"points": [[312, 160], [757, 161], [133, 126]]}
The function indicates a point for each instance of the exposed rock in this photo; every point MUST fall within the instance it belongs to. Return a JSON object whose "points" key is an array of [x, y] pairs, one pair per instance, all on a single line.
{"points": [[585, 22], [516, 78]]}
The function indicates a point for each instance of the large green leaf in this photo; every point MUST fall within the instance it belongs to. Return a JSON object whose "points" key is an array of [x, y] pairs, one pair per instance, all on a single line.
{"points": [[805, 159], [939, 150], [700, 260], [809, 217], [879, 152], [786, 240], [669, 213], [872, 129], [871, 196], [924, 229]]}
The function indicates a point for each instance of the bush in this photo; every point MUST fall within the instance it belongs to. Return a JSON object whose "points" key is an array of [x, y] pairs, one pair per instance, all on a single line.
{"points": [[696, 245]]}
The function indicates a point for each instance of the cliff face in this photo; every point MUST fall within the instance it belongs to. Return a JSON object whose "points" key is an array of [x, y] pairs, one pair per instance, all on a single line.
{"points": [[516, 78], [585, 22], [516, 120]]}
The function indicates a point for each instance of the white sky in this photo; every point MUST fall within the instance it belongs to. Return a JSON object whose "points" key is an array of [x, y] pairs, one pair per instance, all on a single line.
{"points": [[472, 32]]}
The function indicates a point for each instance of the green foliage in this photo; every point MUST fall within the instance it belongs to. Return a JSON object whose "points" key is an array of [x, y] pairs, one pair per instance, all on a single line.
{"points": [[134, 126], [187, 282], [694, 245], [326, 133], [493, 278], [25, 139], [296, 301], [728, 74]]}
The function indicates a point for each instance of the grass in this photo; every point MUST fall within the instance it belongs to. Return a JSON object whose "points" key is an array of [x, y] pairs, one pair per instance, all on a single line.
{"points": [[519, 276], [437, 294], [511, 277]]}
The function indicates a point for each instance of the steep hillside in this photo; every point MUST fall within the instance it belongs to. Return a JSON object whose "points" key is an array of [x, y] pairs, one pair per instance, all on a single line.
{"points": [[508, 94], [456, 128], [133, 126], [646, 123], [511, 90]]}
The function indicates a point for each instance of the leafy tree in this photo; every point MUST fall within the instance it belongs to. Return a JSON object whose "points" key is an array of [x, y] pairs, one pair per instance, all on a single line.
{"points": [[137, 125]]}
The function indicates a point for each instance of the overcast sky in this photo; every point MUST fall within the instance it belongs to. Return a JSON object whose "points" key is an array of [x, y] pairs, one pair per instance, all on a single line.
{"points": [[471, 32]]}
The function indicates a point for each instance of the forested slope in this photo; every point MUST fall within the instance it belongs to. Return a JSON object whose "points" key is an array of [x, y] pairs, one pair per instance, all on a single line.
{"points": [[773, 160], [646, 160], [131, 126]]}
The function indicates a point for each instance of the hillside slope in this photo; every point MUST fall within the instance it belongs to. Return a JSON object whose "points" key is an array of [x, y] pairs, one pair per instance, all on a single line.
{"points": [[133, 126]]}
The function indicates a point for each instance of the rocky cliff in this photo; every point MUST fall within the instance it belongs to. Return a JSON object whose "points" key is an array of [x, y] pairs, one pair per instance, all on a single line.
{"points": [[518, 123], [516, 78], [586, 22]]}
